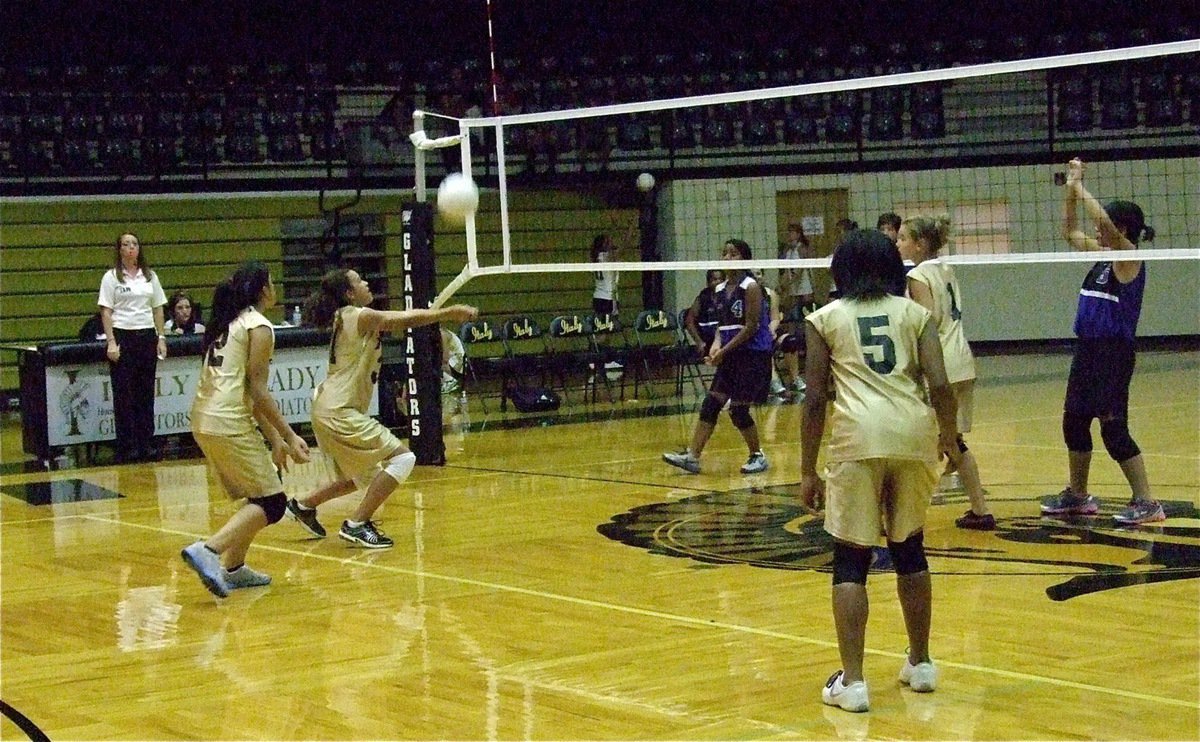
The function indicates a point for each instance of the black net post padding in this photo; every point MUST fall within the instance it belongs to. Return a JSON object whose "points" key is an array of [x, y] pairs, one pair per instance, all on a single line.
{"points": [[421, 366]]}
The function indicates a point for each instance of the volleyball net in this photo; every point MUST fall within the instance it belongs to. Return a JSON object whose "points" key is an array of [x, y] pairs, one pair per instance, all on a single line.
{"points": [[982, 144]]}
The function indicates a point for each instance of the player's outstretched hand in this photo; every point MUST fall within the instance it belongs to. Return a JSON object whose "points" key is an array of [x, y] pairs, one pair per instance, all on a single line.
{"points": [[462, 312]]}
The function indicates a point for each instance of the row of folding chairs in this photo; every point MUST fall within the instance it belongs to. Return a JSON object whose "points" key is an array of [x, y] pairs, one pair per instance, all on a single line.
{"points": [[577, 352]]}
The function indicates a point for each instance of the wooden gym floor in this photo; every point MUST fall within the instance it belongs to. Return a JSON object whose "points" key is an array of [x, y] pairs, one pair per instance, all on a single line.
{"points": [[560, 582]]}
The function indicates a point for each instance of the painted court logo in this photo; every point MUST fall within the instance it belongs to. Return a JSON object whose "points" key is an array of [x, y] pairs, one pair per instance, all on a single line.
{"points": [[767, 527]]}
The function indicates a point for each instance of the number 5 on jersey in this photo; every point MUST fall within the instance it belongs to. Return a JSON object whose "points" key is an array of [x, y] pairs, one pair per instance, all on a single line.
{"points": [[879, 350]]}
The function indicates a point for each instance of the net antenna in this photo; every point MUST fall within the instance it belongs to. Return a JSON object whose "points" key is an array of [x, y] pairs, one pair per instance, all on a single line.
{"points": [[499, 124]]}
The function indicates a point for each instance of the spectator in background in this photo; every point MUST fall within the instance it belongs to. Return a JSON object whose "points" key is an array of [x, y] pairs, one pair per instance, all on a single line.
{"points": [[131, 310], [604, 292], [184, 316], [92, 329], [795, 284], [702, 316], [889, 224]]}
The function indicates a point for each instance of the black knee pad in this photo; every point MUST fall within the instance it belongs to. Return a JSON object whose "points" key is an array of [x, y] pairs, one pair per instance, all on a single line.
{"points": [[962, 444], [1077, 432], [740, 415], [1120, 444], [272, 505], [850, 563], [709, 409], [908, 556]]}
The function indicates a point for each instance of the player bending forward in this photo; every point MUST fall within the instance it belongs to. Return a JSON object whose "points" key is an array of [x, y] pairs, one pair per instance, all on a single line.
{"points": [[363, 451]]}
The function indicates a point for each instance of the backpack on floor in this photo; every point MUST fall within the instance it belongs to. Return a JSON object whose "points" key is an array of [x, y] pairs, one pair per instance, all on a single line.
{"points": [[534, 399]]}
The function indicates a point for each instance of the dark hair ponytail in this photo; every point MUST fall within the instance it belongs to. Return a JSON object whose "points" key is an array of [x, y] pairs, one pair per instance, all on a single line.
{"points": [[598, 244], [1128, 217], [223, 313], [234, 294], [322, 305]]}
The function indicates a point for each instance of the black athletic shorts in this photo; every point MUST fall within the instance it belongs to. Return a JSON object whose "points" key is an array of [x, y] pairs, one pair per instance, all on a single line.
{"points": [[1100, 374], [744, 376]]}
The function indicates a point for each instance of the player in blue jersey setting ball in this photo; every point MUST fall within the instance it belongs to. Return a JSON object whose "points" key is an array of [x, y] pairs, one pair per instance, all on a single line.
{"points": [[1110, 303]]}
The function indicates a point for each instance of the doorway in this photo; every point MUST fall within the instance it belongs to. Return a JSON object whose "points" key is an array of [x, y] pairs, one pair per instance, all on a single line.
{"points": [[819, 211]]}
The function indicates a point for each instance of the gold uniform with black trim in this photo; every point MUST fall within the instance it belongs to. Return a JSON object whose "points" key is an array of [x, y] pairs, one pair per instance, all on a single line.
{"points": [[947, 312], [354, 442], [882, 455], [222, 422]]}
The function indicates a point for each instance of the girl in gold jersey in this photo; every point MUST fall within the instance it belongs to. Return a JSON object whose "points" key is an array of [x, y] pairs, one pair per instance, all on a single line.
{"points": [[933, 285], [364, 453], [880, 350], [231, 397]]}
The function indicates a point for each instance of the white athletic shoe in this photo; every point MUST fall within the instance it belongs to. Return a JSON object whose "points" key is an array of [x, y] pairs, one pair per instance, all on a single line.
{"points": [[243, 576], [756, 463], [684, 460], [851, 697], [921, 677]]}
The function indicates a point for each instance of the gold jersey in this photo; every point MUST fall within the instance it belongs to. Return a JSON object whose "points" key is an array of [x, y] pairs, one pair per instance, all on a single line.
{"points": [[879, 409], [354, 360], [947, 313], [222, 405]]}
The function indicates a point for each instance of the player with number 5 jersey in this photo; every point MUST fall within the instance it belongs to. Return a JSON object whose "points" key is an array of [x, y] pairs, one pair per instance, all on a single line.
{"points": [[933, 285], [881, 352]]}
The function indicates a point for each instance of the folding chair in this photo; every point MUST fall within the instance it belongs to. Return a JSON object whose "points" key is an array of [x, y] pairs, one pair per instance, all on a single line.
{"points": [[690, 360], [656, 336], [485, 357], [570, 352], [610, 347], [526, 351]]}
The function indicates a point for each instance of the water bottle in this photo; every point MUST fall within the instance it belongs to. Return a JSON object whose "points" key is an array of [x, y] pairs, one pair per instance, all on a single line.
{"points": [[464, 417], [296, 316]]}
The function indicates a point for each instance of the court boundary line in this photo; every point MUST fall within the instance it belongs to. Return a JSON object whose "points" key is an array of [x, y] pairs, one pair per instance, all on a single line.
{"points": [[674, 617]]}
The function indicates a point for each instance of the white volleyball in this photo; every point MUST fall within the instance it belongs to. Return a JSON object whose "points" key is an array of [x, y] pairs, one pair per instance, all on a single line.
{"points": [[645, 182], [457, 197]]}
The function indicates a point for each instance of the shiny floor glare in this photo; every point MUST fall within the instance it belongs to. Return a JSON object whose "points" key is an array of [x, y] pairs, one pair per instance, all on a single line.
{"points": [[556, 580]]}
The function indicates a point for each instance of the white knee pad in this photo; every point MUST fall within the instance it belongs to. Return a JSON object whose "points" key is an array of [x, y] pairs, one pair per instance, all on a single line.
{"points": [[399, 467]]}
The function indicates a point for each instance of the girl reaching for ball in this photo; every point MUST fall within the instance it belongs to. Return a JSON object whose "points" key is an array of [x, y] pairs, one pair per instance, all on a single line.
{"points": [[604, 293], [363, 451]]}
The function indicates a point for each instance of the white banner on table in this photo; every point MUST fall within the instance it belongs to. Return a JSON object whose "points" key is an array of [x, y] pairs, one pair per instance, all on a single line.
{"points": [[79, 396]]}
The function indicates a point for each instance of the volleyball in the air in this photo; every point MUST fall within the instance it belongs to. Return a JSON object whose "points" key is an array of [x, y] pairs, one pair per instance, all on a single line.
{"points": [[645, 182], [457, 197]]}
